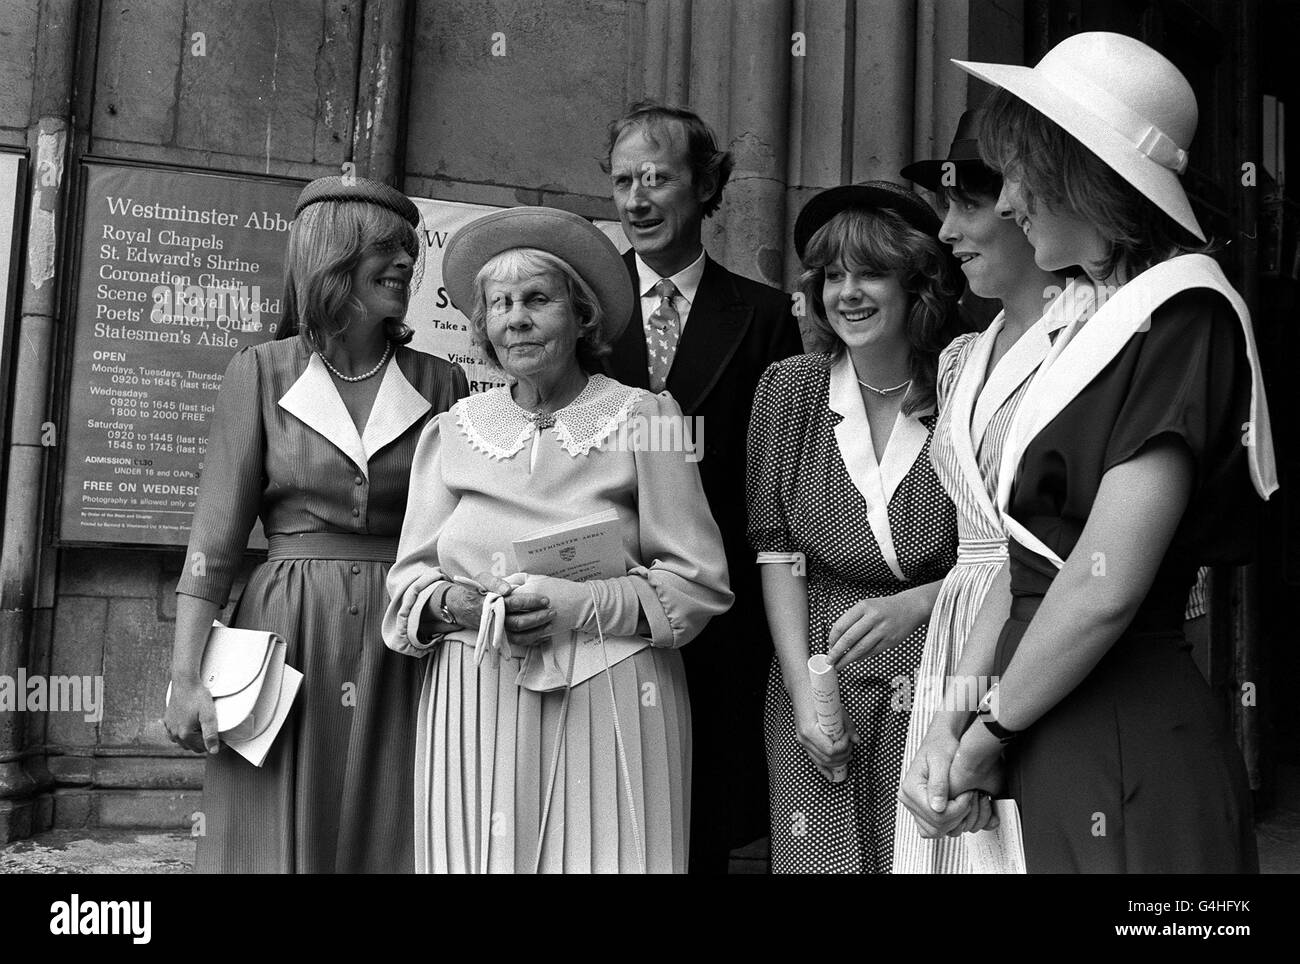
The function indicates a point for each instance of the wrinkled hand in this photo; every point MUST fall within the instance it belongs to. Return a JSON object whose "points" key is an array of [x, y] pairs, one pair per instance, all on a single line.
{"points": [[825, 753], [872, 626], [529, 615], [191, 718]]}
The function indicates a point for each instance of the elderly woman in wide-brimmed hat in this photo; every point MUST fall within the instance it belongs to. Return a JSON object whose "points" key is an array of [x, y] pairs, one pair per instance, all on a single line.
{"points": [[554, 727], [314, 433], [840, 482], [1130, 464]]}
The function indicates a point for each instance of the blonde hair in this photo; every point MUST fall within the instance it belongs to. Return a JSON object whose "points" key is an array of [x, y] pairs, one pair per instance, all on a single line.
{"points": [[326, 242]]}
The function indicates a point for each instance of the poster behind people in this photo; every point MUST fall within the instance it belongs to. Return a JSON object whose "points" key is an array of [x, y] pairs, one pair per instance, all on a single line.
{"points": [[177, 271]]}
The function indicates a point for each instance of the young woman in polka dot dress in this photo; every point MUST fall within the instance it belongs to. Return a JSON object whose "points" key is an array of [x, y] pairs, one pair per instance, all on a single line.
{"points": [[840, 484]]}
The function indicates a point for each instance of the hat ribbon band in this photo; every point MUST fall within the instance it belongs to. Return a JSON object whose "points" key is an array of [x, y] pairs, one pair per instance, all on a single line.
{"points": [[1149, 139]]}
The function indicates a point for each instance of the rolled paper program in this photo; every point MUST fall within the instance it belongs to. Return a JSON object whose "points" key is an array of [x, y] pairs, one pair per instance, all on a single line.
{"points": [[826, 698]]}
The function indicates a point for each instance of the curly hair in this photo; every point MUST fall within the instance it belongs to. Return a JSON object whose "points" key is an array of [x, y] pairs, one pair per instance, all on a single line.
{"points": [[881, 241], [526, 262], [326, 242], [653, 119], [1057, 169]]}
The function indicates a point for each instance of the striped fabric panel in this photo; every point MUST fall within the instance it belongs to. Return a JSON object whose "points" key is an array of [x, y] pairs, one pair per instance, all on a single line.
{"points": [[980, 556]]}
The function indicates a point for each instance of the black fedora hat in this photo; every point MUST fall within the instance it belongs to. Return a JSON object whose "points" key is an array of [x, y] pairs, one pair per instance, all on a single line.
{"points": [[868, 196], [964, 152]]}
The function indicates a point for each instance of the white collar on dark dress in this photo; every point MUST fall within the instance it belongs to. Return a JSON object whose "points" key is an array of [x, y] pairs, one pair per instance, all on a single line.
{"points": [[875, 481], [315, 401]]}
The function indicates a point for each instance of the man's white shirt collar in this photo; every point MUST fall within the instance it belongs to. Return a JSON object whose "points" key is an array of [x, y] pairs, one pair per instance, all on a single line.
{"points": [[687, 280]]}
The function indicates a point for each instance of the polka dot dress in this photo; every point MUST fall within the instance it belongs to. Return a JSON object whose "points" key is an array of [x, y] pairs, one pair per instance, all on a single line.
{"points": [[801, 499]]}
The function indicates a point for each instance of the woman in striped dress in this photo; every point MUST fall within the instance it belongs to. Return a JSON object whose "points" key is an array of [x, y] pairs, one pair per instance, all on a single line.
{"points": [[980, 382]]}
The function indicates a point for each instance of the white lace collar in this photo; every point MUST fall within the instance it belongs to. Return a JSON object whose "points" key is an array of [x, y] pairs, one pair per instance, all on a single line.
{"points": [[494, 425]]}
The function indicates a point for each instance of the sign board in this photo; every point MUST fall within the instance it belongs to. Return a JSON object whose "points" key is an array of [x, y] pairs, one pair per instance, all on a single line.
{"points": [[177, 271]]}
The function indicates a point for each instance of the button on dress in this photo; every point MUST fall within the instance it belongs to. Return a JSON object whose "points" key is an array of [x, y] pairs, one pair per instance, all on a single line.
{"points": [[334, 794]]}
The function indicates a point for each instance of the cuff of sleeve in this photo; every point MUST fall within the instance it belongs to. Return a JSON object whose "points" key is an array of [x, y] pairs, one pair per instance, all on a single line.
{"points": [[661, 630], [414, 599]]}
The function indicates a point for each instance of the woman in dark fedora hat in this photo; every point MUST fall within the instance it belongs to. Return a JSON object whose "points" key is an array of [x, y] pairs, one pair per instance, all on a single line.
{"points": [[981, 380], [314, 434], [554, 730], [853, 531], [1131, 462]]}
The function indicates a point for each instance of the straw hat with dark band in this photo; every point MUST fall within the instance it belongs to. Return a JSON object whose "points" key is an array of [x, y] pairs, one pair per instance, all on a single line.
{"points": [[1121, 100], [964, 153], [336, 188], [571, 238]]}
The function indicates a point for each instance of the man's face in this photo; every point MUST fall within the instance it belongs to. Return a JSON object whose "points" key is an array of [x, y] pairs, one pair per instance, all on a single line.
{"points": [[658, 201]]}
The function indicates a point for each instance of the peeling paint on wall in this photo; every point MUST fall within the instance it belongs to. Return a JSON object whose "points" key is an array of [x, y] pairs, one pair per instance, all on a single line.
{"points": [[41, 239]]}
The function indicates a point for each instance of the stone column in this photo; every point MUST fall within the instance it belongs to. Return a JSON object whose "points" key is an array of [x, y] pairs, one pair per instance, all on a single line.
{"points": [[32, 433]]}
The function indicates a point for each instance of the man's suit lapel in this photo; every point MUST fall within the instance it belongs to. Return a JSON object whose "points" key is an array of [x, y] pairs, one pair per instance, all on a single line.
{"points": [[714, 330], [628, 362]]}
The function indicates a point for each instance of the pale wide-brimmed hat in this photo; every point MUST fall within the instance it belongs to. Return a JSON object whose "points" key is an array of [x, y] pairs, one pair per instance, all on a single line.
{"points": [[570, 237], [1123, 101]]}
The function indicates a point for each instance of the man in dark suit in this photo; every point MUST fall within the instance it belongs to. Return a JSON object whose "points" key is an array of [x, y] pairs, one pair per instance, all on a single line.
{"points": [[705, 335]]}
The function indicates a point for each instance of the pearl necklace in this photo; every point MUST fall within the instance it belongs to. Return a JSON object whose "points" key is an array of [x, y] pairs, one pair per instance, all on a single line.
{"points": [[388, 350], [884, 391]]}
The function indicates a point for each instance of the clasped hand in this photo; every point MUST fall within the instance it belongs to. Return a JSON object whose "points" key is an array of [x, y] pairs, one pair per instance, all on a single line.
{"points": [[536, 606], [949, 786]]}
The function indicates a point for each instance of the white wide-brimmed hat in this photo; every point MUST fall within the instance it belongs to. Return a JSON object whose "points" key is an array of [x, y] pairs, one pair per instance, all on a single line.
{"points": [[1123, 101]]}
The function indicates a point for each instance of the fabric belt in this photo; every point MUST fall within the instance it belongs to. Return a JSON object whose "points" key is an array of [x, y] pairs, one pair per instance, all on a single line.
{"points": [[976, 551], [332, 545]]}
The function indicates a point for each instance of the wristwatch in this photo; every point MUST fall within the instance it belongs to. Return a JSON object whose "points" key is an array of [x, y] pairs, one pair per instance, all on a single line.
{"points": [[987, 715], [443, 612]]}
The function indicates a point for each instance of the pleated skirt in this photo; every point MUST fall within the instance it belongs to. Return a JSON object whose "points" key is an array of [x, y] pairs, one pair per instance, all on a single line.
{"points": [[335, 792], [958, 603], [484, 757]]}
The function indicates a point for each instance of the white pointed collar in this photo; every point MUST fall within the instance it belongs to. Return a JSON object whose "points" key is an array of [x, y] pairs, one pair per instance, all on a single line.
{"points": [[875, 481], [687, 281], [1021, 359], [314, 401]]}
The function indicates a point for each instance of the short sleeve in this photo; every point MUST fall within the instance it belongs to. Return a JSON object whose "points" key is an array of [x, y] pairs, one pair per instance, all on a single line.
{"points": [[1191, 382], [231, 486], [950, 362], [772, 458]]}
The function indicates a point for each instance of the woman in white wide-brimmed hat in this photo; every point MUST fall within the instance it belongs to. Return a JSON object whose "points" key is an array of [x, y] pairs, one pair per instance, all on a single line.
{"points": [[1131, 462], [540, 747]]}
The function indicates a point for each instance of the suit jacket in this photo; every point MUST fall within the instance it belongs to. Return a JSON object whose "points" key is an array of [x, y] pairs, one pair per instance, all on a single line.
{"points": [[736, 328]]}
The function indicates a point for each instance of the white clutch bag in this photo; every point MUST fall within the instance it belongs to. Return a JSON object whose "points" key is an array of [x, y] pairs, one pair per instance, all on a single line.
{"points": [[252, 688]]}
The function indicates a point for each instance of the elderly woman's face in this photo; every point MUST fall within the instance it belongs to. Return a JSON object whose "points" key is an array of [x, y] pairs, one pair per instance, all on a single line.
{"points": [[531, 324]]}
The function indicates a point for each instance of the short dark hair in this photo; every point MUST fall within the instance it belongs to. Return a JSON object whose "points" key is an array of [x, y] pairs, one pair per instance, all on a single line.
{"points": [[883, 242], [1057, 169], [652, 118]]}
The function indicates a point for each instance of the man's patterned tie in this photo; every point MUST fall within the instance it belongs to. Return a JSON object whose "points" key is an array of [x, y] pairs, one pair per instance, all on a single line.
{"points": [[662, 330]]}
